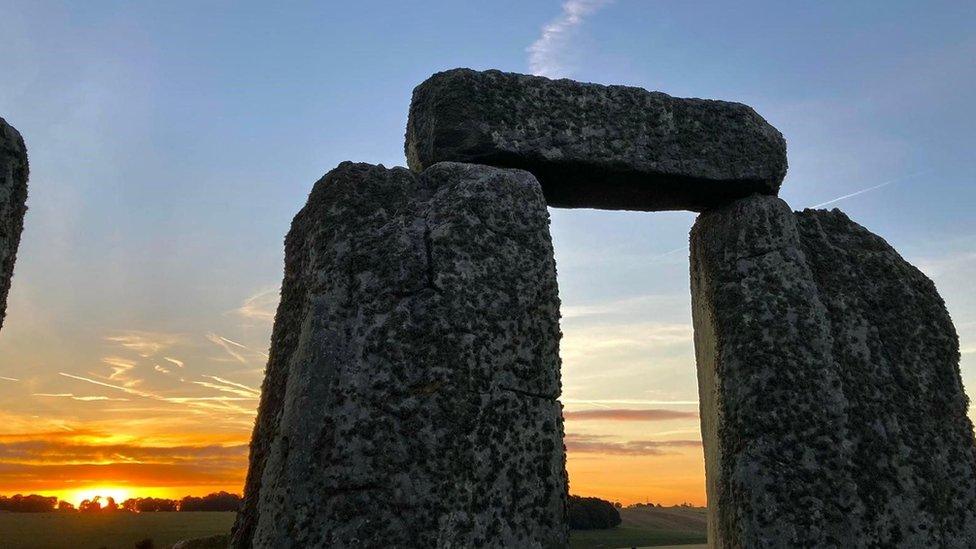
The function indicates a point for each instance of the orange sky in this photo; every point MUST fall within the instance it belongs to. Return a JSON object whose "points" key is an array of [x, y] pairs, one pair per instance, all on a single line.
{"points": [[75, 462], [80, 464]]}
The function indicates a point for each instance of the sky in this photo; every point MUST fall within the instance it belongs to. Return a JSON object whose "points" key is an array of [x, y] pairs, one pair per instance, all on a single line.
{"points": [[171, 143]]}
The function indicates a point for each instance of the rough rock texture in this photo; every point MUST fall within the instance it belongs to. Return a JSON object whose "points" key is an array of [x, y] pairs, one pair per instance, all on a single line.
{"points": [[13, 198], [594, 146], [833, 410], [410, 395]]}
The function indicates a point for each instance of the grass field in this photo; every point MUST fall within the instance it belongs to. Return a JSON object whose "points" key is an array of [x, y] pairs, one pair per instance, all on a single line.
{"points": [[647, 527], [110, 530], [640, 528]]}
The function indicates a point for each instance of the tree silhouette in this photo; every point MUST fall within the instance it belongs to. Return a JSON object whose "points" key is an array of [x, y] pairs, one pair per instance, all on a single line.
{"points": [[27, 504], [592, 513]]}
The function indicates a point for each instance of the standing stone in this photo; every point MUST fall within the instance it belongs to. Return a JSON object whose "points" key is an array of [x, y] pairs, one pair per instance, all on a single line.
{"points": [[833, 414], [594, 146], [13, 199], [410, 395]]}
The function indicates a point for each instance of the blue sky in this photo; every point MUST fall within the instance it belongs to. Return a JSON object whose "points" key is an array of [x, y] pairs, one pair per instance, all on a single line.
{"points": [[171, 144]]}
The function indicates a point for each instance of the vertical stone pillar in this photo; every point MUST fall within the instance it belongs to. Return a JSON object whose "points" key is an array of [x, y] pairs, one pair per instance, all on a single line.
{"points": [[833, 414], [13, 198], [410, 396]]}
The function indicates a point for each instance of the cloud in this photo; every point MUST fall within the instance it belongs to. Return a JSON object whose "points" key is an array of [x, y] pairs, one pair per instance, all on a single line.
{"points": [[173, 361], [223, 404], [161, 369], [119, 366], [596, 444], [146, 344], [230, 387], [551, 54], [55, 460], [261, 306], [5, 378], [628, 339], [619, 414], [81, 398], [233, 348], [625, 402], [628, 306]]}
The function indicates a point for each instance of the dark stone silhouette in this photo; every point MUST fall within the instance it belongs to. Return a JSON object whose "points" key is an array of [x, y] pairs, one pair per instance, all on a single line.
{"points": [[13, 204], [594, 146], [833, 414], [410, 396]]}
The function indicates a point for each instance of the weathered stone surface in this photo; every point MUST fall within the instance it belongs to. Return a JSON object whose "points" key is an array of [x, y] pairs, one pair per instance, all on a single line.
{"points": [[832, 406], [13, 198], [410, 395], [594, 146]]}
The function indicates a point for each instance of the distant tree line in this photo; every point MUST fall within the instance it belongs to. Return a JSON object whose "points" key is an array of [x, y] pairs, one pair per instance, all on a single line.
{"points": [[592, 513], [27, 504], [219, 501]]}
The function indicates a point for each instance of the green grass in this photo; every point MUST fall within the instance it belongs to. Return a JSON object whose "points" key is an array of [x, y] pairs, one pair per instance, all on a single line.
{"points": [[640, 528], [623, 536], [110, 530], [647, 526]]}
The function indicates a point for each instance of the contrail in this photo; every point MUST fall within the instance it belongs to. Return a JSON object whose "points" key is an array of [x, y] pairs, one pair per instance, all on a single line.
{"points": [[549, 55], [869, 189]]}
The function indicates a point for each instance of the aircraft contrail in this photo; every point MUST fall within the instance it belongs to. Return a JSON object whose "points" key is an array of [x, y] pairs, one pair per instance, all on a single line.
{"points": [[869, 189]]}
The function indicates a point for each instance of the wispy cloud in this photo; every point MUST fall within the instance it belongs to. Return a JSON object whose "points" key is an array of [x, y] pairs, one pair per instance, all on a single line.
{"points": [[595, 444], [174, 361], [629, 402], [234, 349], [637, 339], [551, 55], [145, 344], [225, 404], [81, 398], [230, 387], [869, 189], [5, 378], [261, 306], [627, 306], [617, 414], [120, 366]]}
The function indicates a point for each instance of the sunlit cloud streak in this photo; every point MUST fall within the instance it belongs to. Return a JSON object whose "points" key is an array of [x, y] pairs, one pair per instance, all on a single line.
{"points": [[596, 444], [260, 306], [636, 402], [5, 378], [145, 344], [617, 414], [252, 390], [233, 348], [215, 403], [178, 363], [120, 366], [550, 54], [81, 398]]}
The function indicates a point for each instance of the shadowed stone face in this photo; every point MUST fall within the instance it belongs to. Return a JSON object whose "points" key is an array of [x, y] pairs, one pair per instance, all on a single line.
{"points": [[13, 198], [832, 408], [410, 396], [594, 146]]}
